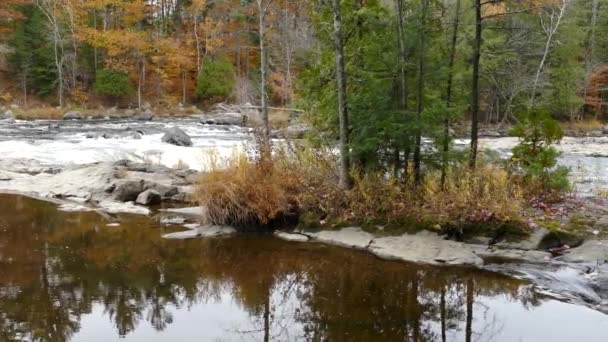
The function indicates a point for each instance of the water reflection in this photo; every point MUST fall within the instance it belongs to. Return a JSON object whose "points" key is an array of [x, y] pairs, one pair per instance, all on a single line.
{"points": [[68, 276]]}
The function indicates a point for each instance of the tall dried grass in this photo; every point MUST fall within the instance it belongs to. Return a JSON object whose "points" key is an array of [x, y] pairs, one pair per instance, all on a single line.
{"points": [[303, 184]]}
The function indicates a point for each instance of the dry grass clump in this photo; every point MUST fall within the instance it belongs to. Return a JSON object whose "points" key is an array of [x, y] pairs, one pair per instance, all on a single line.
{"points": [[487, 194], [247, 194], [303, 185], [48, 113], [583, 125]]}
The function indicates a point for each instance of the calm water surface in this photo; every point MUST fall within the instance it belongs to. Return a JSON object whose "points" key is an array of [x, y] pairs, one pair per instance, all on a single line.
{"points": [[70, 277]]}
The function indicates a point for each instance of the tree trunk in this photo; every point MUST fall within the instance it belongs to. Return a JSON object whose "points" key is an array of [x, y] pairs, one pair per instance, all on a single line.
{"points": [[590, 48], [448, 96], [419, 96], [198, 46], [262, 6], [403, 81], [345, 180], [550, 30], [475, 86]]}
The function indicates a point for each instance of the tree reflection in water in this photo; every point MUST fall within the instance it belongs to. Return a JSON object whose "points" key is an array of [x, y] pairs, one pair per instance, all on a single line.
{"points": [[55, 266]]}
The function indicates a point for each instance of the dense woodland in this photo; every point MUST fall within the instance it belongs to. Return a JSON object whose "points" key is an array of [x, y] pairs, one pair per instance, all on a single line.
{"points": [[379, 76]]}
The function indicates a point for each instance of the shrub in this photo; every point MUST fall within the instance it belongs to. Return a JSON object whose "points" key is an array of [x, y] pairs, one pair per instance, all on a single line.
{"points": [[302, 184], [246, 194], [535, 157], [216, 80], [112, 83], [484, 195]]}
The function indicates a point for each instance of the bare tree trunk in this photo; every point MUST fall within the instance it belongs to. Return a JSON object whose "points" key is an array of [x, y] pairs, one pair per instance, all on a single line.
{"points": [[345, 180], [402, 56], [475, 86], [184, 87], [448, 96], [25, 89], [262, 8], [550, 30], [590, 49], [198, 46], [402, 79], [419, 96]]}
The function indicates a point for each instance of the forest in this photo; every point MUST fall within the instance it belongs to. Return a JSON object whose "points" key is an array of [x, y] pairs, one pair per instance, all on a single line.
{"points": [[394, 82]]}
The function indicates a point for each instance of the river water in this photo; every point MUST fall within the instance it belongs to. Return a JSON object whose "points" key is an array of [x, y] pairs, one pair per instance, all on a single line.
{"points": [[77, 277], [73, 276]]}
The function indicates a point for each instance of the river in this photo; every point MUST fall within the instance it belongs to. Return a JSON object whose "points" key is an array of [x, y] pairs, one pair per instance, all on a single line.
{"points": [[77, 276], [71, 276]]}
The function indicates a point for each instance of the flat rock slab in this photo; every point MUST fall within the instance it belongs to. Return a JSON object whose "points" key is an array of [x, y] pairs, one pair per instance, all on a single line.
{"points": [[515, 254], [351, 237], [201, 232], [532, 242], [591, 251], [425, 247], [190, 211], [292, 236]]}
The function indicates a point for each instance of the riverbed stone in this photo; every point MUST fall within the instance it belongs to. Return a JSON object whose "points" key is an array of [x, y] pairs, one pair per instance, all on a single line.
{"points": [[146, 115], [165, 191], [352, 237], [230, 119], [426, 247], [149, 197], [176, 136], [591, 251], [295, 237], [72, 115], [128, 191], [7, 115], [533, 241], [201, 232]]}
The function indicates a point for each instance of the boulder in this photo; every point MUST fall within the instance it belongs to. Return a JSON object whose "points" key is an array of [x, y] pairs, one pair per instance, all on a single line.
{"points": [[149, 197], [7, 115], [605, 129], [230, 118], [147, 115], [176, 136], [129, 112], [72, 115], [165, 191], [128, 191]]}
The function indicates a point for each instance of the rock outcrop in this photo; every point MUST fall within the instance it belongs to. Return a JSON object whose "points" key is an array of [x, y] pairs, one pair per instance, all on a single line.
{"points": [[72, 115], [176, 136]]}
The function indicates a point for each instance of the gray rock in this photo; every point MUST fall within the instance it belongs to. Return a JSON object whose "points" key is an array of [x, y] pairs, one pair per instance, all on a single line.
{"points": [[130, 112], [164, 191], [353, 237], [591, 251], [128, 191], [176, 136], [183, 197], [530, 243], [147, 115], [232, 119], [296, 237], [149, 197], [8, 115], [605, 129], [54, 126], [72, 115], [296, 131], [201, 232], [426, 247]]}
